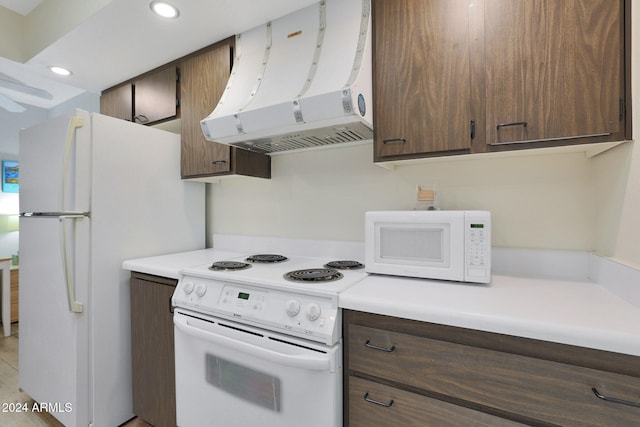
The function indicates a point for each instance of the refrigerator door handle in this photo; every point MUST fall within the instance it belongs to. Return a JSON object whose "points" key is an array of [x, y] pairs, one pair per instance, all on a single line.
{"points": [[75, 123], [54, 214], [74, 306]]}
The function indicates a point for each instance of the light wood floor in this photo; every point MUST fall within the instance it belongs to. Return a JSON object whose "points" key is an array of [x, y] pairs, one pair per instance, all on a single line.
{"points": [[10, 394]]}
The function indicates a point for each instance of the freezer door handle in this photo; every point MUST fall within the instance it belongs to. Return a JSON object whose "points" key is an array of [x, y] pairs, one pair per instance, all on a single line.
{"points": [[68, 214], [74, 306], [75, 123]]}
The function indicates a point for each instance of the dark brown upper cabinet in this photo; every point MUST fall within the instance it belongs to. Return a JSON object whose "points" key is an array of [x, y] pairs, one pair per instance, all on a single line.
{"points": [[554, 71], [462, 76], [204, 78], [148, 99], [156, 96], [421, 77], [199, 79], [118, 102]]}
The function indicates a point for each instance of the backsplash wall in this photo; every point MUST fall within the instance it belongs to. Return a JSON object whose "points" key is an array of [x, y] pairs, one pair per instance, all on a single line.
{"points": [[537, 201]]}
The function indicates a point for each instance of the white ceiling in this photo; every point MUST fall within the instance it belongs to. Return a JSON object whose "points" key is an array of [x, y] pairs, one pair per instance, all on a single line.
{"points": [[125, 39]]}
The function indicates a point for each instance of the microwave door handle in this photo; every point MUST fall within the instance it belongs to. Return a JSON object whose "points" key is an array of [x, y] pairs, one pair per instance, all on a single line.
{"points": [[296, 361]]}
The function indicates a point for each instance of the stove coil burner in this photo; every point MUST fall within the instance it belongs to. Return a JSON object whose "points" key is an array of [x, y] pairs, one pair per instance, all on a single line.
{"points": [[314, 275], [345, 265], [229, 266], [266, 258]]}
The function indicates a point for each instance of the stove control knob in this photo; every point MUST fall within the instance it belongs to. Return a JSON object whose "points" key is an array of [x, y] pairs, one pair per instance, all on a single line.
{"points": [[293, 308], [188, 287], [313, 311], [201, 289]]}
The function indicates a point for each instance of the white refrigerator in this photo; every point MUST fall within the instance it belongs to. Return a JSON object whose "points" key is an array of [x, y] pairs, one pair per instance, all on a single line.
{"points": [[94, 191]]}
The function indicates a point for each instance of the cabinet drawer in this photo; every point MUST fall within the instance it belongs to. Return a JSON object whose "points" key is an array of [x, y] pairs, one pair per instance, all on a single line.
{"points": [[409, 409], [534, 388]]}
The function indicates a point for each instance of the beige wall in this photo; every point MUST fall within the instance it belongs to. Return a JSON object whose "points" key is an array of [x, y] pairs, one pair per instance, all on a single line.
{"points": [[537, 201], [617, 179], [22, 37], [548, 201], [11, 35], [53, 19]]}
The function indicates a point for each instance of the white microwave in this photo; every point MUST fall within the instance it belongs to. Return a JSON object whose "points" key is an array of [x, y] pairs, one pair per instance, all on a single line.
{"points": [[445, 245]]}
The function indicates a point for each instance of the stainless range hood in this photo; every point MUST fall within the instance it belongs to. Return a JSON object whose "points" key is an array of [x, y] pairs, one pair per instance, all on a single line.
{"points": [[301, 81]]}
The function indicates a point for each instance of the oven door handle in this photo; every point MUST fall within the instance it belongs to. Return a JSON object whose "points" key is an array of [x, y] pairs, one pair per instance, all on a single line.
{"points": [[324, 363]]}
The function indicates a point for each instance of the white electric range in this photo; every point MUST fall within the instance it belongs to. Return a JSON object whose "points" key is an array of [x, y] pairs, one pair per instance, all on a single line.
{"points": [[292, 295], [258, 340]]}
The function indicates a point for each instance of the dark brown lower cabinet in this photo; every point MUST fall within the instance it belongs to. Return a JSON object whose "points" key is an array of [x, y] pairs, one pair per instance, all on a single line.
{"points": [[152, 353], [407, 373], [374, 404]]}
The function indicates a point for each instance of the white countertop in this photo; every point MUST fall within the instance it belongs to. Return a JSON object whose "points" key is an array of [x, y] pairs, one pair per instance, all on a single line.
{"points": [[578, 313], [170, 265]]}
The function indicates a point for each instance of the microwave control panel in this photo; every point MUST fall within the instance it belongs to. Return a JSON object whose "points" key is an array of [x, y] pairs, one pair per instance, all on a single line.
{"points": [[477, 247]]}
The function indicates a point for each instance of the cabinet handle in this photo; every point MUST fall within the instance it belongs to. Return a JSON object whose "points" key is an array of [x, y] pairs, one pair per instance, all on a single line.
{"points": [[377, 402], [506, 125], [375, 347], [473, 129], [140, 118], [170, 305], [614, 400], [216, 162], [386, 141]]}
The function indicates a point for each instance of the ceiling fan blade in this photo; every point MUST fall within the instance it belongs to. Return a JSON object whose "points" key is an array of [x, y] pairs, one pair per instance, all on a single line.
{"points": [[23, 88], [10, 105]]}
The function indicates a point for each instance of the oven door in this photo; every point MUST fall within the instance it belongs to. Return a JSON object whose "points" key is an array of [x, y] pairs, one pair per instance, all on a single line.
{"points": [[229, 374]]}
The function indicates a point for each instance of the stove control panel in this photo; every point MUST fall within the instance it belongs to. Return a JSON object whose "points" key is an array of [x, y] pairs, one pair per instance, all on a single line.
{"points": [[242, 300], [309, 316]]}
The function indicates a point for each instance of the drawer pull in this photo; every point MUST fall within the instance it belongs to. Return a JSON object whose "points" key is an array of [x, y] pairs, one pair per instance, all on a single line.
{"points": [[377, 402], [375, 347], [614, 400]]}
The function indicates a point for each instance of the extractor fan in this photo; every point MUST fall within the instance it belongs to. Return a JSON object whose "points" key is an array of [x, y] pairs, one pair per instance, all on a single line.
{"points": [[17, 86]]}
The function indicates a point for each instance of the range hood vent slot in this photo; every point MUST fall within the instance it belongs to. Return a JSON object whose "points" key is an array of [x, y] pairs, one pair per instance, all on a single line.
{"points": [[308, 139], [301, 81]]}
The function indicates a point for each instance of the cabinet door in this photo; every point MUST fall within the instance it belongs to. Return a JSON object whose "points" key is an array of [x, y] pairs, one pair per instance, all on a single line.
{"points": [[155, 96], [118, 102], [152, 353], [421, 77], [554, 70], [15, 291], [204, 78]]}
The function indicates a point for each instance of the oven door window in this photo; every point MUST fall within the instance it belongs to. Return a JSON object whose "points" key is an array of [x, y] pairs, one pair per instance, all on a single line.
{"points": [[251, 385]]}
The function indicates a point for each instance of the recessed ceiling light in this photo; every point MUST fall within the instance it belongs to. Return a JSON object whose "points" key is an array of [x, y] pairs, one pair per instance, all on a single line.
{"points": [[60, 71], [164, 9]]}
